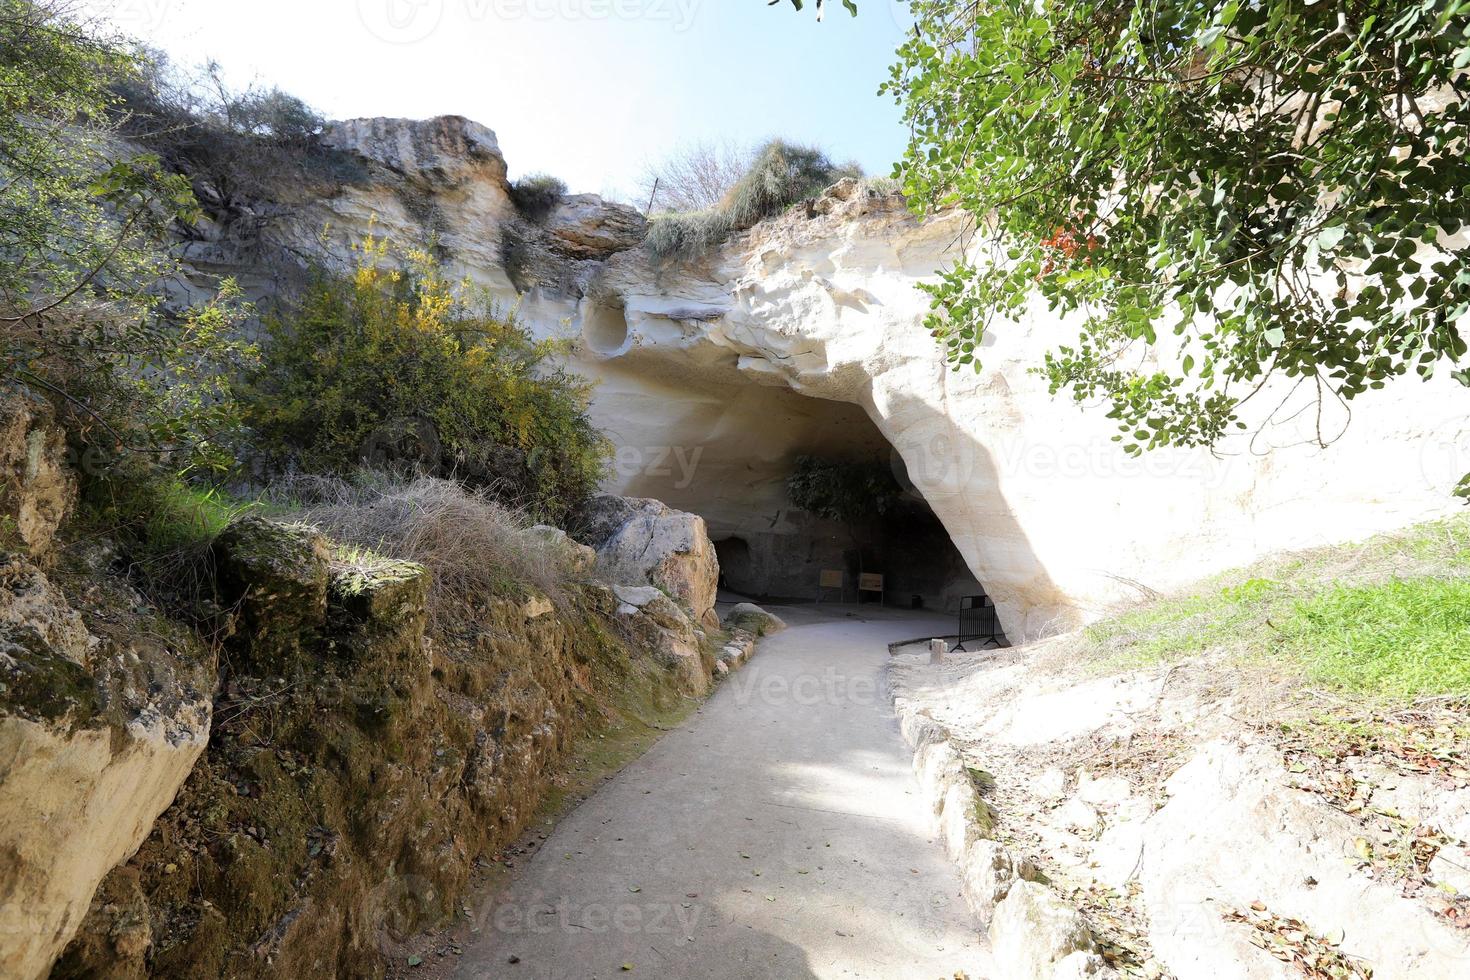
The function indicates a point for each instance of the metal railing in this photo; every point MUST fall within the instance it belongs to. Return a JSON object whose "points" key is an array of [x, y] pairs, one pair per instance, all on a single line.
{"points": [[979, 622]]}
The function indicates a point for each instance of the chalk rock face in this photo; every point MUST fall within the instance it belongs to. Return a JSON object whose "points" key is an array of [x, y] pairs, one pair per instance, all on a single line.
{"points": [[585, 226], [1047, 510], [98, 731], [1235, 832], [642, 541], [804, 335], [37, 490], [439, 151]]}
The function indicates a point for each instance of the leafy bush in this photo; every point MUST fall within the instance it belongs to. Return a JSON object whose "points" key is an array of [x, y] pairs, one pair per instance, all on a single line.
{"points": [[536, 196], [840, 491], [780, 175], [403, 369], [80, 256]]}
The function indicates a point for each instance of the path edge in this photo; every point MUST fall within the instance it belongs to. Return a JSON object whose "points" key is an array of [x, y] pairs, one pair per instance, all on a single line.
{"points": [[1034, 933]]}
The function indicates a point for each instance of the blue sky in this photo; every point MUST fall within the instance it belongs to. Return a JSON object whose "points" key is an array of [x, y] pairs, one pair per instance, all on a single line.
{"points": [[589, 90]]}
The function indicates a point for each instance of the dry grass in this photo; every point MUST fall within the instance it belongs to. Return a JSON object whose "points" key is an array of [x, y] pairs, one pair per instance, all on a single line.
{"points": [[780, 174], [473, 547]]}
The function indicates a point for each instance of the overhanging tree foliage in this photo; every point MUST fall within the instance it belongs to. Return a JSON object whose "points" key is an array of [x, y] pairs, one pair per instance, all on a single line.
{"points": [[821, 6], [82, 221], [1281, 184]]}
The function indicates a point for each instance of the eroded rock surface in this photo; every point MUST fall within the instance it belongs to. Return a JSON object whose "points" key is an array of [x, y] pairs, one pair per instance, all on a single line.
{"points": [[642, 541], [1185, 841], [360, 766], [103, 713], [37, 489]]}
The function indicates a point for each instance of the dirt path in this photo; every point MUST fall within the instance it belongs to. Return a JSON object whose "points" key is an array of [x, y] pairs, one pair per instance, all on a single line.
{"points": [[778, 833]]}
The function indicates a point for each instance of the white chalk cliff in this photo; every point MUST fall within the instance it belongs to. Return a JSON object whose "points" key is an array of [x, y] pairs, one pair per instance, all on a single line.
{"points": [[804, 334]]}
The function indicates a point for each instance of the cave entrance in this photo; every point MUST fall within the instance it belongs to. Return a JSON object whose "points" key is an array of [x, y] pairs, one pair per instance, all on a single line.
{"points": [[735, 564], [726, 450]]}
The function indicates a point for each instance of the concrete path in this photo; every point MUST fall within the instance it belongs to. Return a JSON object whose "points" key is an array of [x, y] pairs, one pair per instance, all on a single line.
{"points": [[777, 834]]}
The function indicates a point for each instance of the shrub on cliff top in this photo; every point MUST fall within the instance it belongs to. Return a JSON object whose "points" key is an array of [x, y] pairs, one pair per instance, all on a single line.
{"points": [[407, 370], [780, 175], [687, 236], [536, 196]]}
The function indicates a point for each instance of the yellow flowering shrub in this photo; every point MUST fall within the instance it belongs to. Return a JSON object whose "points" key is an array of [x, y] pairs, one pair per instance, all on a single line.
{"points": [[401, 367]]}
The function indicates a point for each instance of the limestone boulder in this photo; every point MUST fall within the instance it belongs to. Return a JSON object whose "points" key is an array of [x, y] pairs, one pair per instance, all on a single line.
{"points": [[748, 616], [640, 541], [103, 713], [37, 489], [584, 226], [1038, 936], [580, 558], [661, 627]]}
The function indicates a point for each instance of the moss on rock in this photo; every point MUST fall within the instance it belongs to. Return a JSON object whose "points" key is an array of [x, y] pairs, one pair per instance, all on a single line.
{"points": [[358, 767]]}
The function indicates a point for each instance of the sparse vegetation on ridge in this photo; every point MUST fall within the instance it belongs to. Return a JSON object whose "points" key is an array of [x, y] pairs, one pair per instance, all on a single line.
{"points": [[780, 175], [473, 546], [536, 196]]}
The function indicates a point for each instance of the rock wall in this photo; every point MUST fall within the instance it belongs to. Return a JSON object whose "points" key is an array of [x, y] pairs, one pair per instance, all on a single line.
{"points": [[803, 333], [104, 706], [360, 764]]}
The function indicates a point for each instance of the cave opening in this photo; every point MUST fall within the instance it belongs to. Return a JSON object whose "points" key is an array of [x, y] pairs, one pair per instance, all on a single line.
{"points": [[728, 454]]}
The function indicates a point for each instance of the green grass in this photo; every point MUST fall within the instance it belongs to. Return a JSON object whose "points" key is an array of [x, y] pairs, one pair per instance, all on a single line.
{"points": [[1401, 639], [1387, 618]]}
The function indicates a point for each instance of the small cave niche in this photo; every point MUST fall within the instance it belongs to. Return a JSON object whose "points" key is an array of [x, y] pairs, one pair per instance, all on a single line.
{"points": [[604, 328], [736, 566]]}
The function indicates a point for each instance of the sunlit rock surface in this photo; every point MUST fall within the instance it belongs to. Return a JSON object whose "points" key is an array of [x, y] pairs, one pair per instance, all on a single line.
{"points": [[803, 335]]}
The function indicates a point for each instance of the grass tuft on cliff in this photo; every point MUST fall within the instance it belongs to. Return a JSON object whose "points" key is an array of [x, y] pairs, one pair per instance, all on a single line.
{"points": [[536, 196], [780, 175], [1385, 619]]}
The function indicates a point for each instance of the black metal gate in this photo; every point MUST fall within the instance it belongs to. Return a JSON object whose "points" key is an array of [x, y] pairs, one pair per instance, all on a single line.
{"points": [[979, 621]]}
